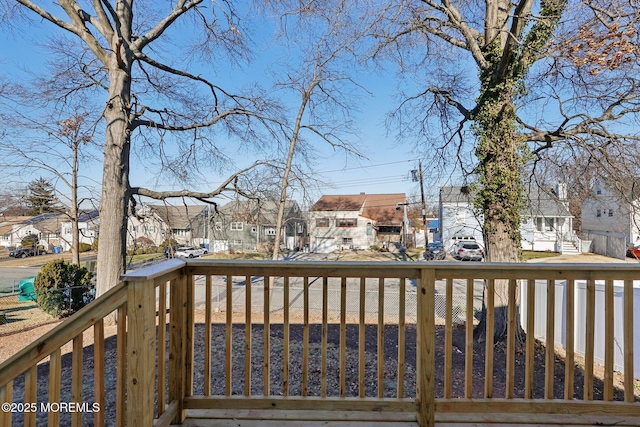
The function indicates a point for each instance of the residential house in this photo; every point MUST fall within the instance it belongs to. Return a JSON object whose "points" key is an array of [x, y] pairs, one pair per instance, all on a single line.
{"points": [[88, 225], [357, 221], [547, 224], [251, 224], [8, 238], [156, 223], [611, 217], [46, 226]]}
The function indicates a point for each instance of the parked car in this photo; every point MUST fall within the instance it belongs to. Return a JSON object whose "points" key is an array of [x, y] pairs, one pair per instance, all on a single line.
{"points": [[633, 252], [467, 250], [189, 252], [435, 251], [25, 252]]}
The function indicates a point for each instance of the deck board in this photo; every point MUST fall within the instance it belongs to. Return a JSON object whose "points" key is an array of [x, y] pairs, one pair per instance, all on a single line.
{"points": [[311, 418]]}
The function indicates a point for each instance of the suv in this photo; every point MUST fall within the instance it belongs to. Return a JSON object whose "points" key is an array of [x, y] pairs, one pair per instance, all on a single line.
{"points": [[467, 250]]}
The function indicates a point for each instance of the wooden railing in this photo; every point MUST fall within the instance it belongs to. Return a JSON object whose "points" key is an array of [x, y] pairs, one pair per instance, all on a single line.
{"points": [[233, 335]]}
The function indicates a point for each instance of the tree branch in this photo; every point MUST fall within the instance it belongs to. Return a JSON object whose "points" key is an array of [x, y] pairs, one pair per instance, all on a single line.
{"points": [[225, 186]]}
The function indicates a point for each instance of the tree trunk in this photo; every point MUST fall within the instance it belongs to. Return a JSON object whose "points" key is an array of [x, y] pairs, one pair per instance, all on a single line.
{"points": [[75, 232], [114, 201], [500, 196], [500, 248], [285, 176]]}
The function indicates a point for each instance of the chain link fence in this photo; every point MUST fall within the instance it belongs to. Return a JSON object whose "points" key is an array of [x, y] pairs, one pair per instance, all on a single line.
{"points": [[390, 299]]}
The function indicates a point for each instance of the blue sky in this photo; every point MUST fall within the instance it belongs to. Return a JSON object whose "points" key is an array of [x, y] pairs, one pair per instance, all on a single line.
{"points": [[386, 169]]}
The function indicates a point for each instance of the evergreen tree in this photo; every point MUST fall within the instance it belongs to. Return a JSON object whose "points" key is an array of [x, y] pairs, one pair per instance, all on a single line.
{"points": [[41, 197]]}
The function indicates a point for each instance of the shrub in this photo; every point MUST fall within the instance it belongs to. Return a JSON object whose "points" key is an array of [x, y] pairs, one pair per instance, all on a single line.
{"points": [[29, 241], [84, 247], [63, 288], [167, 242]]}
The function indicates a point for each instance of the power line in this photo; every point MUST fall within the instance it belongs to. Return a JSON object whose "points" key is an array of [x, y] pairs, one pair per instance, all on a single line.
{"points": [[368, 166]]}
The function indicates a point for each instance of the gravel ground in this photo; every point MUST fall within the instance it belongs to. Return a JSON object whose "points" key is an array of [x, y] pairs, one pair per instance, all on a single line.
{"points": [[218, 374]]}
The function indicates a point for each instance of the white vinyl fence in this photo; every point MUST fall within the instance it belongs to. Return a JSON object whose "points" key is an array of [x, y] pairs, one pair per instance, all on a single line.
{"points": [[579, 319]]}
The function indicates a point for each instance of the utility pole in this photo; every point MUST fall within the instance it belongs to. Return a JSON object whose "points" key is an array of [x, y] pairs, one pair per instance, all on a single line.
{"points": [[424, 204]]}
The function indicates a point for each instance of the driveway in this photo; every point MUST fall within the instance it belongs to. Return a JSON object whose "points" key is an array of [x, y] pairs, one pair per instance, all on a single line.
{"points": [[586, 258]]}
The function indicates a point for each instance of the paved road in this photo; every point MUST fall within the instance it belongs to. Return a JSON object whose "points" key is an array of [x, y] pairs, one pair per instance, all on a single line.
{"points": [[296, 297]]}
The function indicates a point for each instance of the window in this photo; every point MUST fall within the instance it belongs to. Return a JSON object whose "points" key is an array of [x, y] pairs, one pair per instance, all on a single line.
{"points": [[236, 242], [270, 231], [322, 222], [236, 226], [550, 224], [545, 224], [598, 213], [347, 222], [610, 213], [347, 241]]}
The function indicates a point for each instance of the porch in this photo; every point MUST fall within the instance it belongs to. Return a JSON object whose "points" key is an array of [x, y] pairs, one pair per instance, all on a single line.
{"points": [[217, 343]]}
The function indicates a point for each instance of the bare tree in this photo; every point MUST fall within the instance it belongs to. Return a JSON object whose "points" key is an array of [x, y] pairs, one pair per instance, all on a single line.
{"points": [[55, 148], [130, 51], [502, 82], [325, 39]]}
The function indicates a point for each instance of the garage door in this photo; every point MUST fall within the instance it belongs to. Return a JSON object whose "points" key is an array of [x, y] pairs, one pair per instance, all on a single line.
{"points": [[325, 245]]}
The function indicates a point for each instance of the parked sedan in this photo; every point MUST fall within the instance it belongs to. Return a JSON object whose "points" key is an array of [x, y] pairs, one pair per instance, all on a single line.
{"points": [[189, 252], [467, 250], [25, 252], [21, 253]]}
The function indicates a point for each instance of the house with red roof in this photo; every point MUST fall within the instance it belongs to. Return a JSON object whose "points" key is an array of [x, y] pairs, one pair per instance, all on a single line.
{"points": [[355, 221]]}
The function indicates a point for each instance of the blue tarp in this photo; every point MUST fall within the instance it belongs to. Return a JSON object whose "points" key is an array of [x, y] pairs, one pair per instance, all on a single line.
{"points": [[27, 290]]}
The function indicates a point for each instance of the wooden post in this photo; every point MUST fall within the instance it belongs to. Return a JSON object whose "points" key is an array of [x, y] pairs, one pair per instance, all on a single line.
{"points": [[6, 396], [628, 341], [190, 333], [426, 348], [141, 352], [177, 346]]}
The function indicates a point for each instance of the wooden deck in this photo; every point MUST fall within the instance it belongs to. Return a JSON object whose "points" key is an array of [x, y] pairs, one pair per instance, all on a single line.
{"points": [[298, 418], [229, 382]]}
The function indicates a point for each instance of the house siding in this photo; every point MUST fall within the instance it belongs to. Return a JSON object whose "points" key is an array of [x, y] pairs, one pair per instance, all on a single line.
{"points": [[610, 221], [258, 226], [362, 235], [460, 220]]}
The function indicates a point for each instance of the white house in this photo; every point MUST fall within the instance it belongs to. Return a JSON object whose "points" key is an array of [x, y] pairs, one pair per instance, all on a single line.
{"points": [[547, 224], [611, 217], [156, 223], [9, 225], [46, 226], [355, 221], [88, 224]]}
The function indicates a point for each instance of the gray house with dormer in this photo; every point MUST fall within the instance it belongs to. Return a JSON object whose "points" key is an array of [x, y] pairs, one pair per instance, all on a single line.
{"points": [[251, 225], [547, 225]]}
